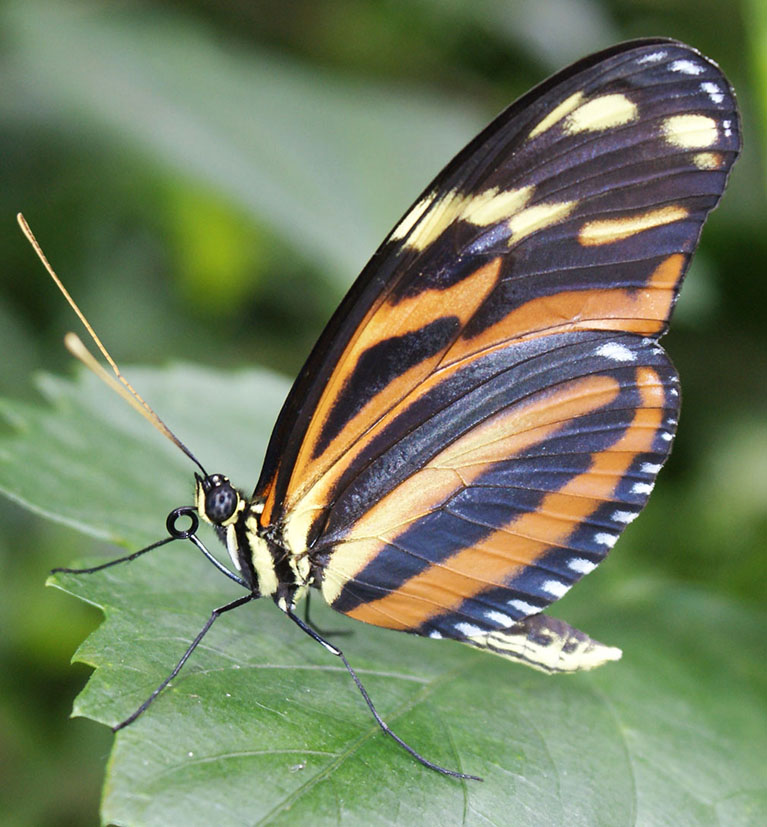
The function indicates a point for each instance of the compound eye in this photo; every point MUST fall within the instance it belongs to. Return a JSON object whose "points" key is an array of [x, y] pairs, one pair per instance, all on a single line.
{"points": [[220, 503]]}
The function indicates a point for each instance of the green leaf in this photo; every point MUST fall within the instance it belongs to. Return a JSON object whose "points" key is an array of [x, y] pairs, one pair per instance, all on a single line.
{"points": [[264, 726]]}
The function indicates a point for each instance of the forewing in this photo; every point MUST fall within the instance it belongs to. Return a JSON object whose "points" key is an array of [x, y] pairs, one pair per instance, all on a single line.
{"points": [[577, 209], [525, 469]]}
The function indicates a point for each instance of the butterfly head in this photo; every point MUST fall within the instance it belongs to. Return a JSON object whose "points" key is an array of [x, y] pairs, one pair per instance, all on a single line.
{"points": [[217, 500]]}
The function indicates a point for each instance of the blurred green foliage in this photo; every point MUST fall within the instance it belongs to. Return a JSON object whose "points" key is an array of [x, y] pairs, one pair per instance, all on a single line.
{"points": [[208, 177]]}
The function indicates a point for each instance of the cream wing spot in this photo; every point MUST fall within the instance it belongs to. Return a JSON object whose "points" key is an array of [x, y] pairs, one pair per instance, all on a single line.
{"points": [[530, 220], [411, 219], [440, 215], [603, 112], [707, 160], [436, 216], [690, 131], [608, 231], [557, 113], [495, 205]]}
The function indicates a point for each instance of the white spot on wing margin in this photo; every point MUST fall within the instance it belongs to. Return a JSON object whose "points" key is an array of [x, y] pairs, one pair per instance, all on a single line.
{"points": [[650, 468], [526, 608], [686, 67], [616, 352], [713, 91], [468, 629], [500, 618], [556, 587], [581, 565], [653, 57], [605, 539]]}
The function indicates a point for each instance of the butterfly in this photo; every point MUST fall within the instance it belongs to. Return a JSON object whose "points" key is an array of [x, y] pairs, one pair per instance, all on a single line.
{"points": [[489, 407]]}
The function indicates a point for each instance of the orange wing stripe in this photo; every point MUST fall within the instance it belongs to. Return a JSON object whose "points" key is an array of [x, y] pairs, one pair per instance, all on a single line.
{"points": [[504, 435], [461, 300], [643, 311], [444, 587]]}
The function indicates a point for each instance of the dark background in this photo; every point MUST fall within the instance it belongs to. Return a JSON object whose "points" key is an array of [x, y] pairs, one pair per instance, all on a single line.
{"points": [[208, 178]]}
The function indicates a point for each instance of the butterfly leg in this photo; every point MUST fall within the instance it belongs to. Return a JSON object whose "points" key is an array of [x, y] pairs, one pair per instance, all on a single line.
{"points": [[334, 650], [310, 622], [216, 613]]}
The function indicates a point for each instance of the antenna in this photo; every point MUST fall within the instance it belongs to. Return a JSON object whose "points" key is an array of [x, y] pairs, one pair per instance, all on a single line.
{"points": [[74, 345]]}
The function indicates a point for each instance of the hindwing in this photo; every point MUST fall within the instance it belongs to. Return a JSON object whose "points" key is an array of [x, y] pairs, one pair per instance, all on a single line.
{"points": [[524, 469]]}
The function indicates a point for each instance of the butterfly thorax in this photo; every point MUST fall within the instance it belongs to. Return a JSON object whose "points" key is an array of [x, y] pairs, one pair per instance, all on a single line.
{"points": [[267, 567]]}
